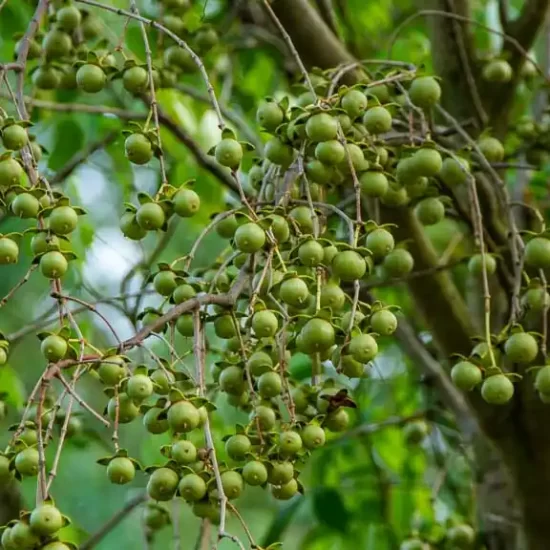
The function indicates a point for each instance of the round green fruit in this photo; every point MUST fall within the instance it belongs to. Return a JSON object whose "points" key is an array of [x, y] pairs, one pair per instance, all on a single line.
{"points": [[46, 77], [192, 487], [150, 216], [91, 78], [162, 484], [475, 265], [321, 127], [265, 417], [227, 227], [232, 380], [165, 282], [354, 102], [380, 242], [130, 227], [373, 184], [112, 370], [302, 217], [294, 292], [54, 348], [317, 335], [430, 211], [183, 417], [139, 387], [466, 376], [286, 491], [184, 452], [229, 152], [498, 71], [127, 409], [329, 153], [363, 348], [14, 137], [536, 299], [491, 148], [426, 162], [53, 265], [63, 220], [269, 115], [250, 238], [238, 446], [337, 421], [121, 470], [56, 44], [135, 80], [255, 473], [333, 296], [497, 390], [278, 152], [398, 263], [280, 473], [521, 348], [269, 385], [232, 483], [68, 17], [9, 251], [265, 324], [186, 203], [377, 120], [25, 206], [10, 172], [313, 436], [349, 265], [454, 171], [27, 461], [537, 253], [46, 520], [542, 380], [425, 92], [138, 148], [415, 432], [383, 322], [153, 424], [461, 536]]}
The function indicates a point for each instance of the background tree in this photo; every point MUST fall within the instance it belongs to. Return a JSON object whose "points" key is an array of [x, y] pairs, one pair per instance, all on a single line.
{"points": [[209, 212]]}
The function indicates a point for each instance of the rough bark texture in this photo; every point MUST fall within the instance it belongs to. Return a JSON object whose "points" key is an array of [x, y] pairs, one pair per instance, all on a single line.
{"points": [[513, 456]]}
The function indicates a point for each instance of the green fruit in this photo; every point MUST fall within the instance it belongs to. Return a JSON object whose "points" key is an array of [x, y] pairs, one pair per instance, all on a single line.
{"points": [[9, 251], [430, 211], [426, 162], [206, 39], [63, 220], [259, 363], [286, 491], [139, 149], [305, 99], [536, 299], [112, 370], [184, 452], [14, 137], [351, 368], [497, 390], [280, 473], [383, 322], [127, 409], [155, 517], [10, 172], [415, 432], [492, 149], [182, 293], [454, 171], [380, 242], [35, 50], [313, 436], [290, 443], [425, 92], [542, 380], [53, 265], [294, 292], [207, 510], [279, 152], [320, 173], [238, 446], [68, 18], [521, 348], [377, 120], [27, 461], [466, 376], [270, 385], [348, 265], [363, 348], [255, 473], [461, 537], [130, 227], [45, 520], [250, 238], [165, 282], [121, 470], [301, 216], [265, 324], [381, 92], [135, 80], [46, 78], [337, 421], [229, 152], [22, 536], [139, 387], [150, 216], [329, 153], [333, 296], [177, 57], [232, 380], [227, 227], [269, 115], [311, 253], [183, 417], [57, 44], [497, 71], [54, 348], [373, 183], [91, 78], [475, 265], [537, 253], [192, 487], [398, 263], [412, 544], [232, 483], [162, 484], [264, 416], [25, 206], [153, 424], [357, 158], [280, 229], [329, 252], [3, 361], [186, 203], [354, 102], [321, 127], [224, 327], [317, 335]]}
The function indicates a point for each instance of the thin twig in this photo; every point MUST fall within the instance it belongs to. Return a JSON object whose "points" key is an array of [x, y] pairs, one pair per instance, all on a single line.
{"points": [[10, 294]]}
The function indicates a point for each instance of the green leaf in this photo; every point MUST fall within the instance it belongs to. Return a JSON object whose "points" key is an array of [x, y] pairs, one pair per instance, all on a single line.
{"points": [[68, 140], [330, 509], [12, 386]]}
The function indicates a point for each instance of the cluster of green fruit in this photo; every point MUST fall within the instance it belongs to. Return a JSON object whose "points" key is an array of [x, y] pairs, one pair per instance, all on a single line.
{"points": [[456, 536], [36, 529]]}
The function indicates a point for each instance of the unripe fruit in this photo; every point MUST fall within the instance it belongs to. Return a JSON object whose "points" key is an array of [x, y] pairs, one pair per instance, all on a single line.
{"points": [[26, 462], [265, 417], [46, 78], [229, 152], [14, 137], [536, 299], [492, 149], [232, 483], [521, 348], [53, 265], [426, 162], [497, 390], [461, 537], [45, 520], [301, 215], [63, 220], [269, 385], [294, 292], [475, 265], [542, 380], [162, 484], [192, 487], [430, 211], [184, 452], [186, 203], [425, 92], [227, 226], [333, 296], [165, 282], [150, 216], [290, 443], [278, 152], [498, 71], [383, 322], [138, 148], [454, 171], [377, 120], [54, 348], [9, 251], [153, 424], [250, 238], [380, 242], [238, 446], [313, 436], [130, 227], [139, 387], [321, 127], [121, 470], [363, 348], [91, 78], [330, 153], [373, 183], [311, 253], [57, 44], [127, 409], [398, 263], [349, 265], [232, 380], [255, 473], [286, 491], [466, 376], [269, 115], [68, 18], [265, 324], [112, 370], [183, 417], [25, 206], [281, 473], [317, 335], [22, 536], [10, 172], [354, 102], [337, 421], [537, 253], [415, 432], [135, 80]]}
